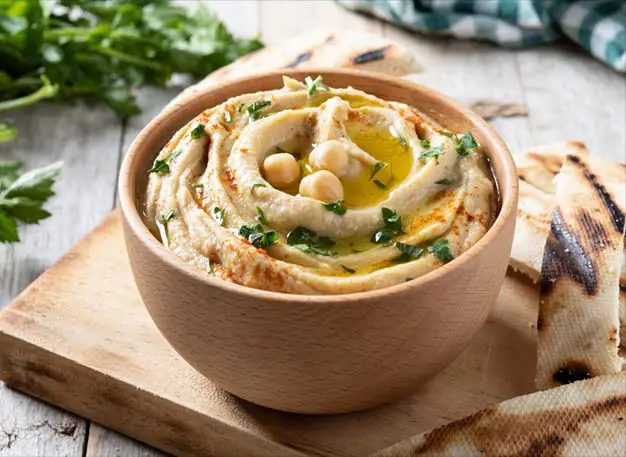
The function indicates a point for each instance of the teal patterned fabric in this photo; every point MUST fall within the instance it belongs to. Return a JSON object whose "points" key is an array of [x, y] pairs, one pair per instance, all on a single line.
{"points": [[599, 26]]}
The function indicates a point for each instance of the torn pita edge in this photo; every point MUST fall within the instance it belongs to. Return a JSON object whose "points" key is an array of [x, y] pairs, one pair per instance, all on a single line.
{"points": [[578, 324], [584, 418]]}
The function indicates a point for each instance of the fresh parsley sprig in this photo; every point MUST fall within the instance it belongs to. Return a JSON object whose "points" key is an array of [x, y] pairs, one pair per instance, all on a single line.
{"points": [[257, 237], [336, 207], [392, 227], [22, 197]]}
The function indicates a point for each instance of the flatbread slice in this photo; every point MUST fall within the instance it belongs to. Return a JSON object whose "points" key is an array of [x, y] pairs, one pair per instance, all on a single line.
{"points": [[579, 290], [536, 169], [587, 418], [317, 49]]}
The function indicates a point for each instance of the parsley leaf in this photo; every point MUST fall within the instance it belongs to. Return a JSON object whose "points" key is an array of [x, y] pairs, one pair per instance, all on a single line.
{"points": [[167, 215], [348, 270], [198, 131], [466, 144], [425, 143], [308, 249], [254, 109], [310, 242], [22, 197], [402, 142], [433, 153], [258, 184], [392, 227], [335, 207], [260, 216], [228, 117], [380, 184], [441, 250], [314, 86], [218, 215], [411, 251], [379, 166], [257, 237], [160, 165], [197, 185]]}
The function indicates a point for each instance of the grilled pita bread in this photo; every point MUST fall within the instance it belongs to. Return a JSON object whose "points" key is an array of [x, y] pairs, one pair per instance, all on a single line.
{"points": [[536, 169], [361, 51], [579, 289], [587, 418]]}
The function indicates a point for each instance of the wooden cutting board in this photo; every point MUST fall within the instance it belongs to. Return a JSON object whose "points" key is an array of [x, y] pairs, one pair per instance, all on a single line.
{"points": [[80, 338]]}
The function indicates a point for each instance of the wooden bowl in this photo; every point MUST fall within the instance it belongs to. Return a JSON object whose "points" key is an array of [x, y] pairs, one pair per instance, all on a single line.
{"points": [[318, 354]]}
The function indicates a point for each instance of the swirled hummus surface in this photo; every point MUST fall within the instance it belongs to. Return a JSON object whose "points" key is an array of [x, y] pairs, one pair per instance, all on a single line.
{"points": [[309, 189]]}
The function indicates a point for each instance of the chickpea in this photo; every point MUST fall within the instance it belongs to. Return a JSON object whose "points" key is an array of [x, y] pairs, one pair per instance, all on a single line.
{"points": [[322, 185], [281, 170], [330, 155]]}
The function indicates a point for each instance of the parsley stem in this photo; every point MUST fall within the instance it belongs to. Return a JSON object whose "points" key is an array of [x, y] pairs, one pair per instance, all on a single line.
{"points": [[46, 91], [129, 59], [8, 132]]}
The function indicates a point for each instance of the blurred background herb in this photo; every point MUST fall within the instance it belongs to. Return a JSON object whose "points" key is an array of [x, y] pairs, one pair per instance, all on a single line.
{"points": [[101, 49]]}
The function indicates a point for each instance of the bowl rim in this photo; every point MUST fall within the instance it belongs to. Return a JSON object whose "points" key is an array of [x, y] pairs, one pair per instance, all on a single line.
{"points": [[134, 222]]}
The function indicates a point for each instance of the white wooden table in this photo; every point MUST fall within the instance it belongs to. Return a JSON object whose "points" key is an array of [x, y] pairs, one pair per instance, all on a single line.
{"points": [[568, 96]]}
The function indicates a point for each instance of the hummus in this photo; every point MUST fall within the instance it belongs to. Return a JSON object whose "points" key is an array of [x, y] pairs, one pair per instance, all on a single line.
{"points": [[411, 196]]}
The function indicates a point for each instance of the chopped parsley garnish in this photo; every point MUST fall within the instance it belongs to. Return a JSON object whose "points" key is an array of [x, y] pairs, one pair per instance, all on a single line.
{"points": [[444, 182], [197, 132], [441, 250], [425, 143], [254, 109], [167, 215], [197, 185], [392, 227], [219, 215], [228, 117], [465, 144], [260, 216], [257, 237], [335, 207], [258, 184], [310, 242], [433, 153], [402, 142], [348, 270], [409, 250], [380, 184], [379, 166], [160, 166], [314, 86], [447, 133], [241, 107]]}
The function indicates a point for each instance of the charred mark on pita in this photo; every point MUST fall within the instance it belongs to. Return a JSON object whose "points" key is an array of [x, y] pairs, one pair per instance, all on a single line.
{"points": [[572, 371], [371, 56], [564, 255], [298, 60], [594, 229], [617, 216]]}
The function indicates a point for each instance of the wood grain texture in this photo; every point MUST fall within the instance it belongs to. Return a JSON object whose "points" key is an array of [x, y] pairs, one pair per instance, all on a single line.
{"points": [[117, 369]]}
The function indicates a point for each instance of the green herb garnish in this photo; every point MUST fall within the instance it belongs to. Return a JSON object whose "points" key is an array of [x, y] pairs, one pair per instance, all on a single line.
{"points": [[22, 197], [441, 250], [314, 86], [402, 142], [465, 144], [425, 143], [258, 184], [380, 184], [335, 207], [260, 216], [228, 117], [219, 215], [308, 249], [444, 182], [379, 166], [167, 215], [160, 166], [392, 227], [254, 109], [433, 153], [412, 251], [348, 270], [197, 185], [197, 132], [257, 237], [310, 242], [446, 133]]}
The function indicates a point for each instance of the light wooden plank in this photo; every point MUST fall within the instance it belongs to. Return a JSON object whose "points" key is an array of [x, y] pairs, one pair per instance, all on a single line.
{"points": [[571, 96], [470, 72], [29, 427], [87, 140], [281, 19], [107, 443]]}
